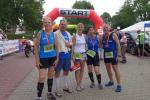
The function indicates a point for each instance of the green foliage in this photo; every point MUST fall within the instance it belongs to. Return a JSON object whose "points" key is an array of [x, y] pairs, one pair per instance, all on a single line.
{"points": [[26, 13], [125, 17], [142, 9], [132, 12], [28, 35], [106, 18], [71, 31], [81, 5], [32, 14]]}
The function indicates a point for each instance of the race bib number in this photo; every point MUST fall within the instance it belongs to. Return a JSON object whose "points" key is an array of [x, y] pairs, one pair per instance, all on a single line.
{"points": [[108, 54], [48, 48], [78, 56], [91, 53]]}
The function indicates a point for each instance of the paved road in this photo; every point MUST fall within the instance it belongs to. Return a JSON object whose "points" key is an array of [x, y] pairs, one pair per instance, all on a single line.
{"points": [[13, 69], [135, 79]]}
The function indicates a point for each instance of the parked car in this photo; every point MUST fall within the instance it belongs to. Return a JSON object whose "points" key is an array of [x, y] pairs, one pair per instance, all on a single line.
{"points": [[132, 43]]}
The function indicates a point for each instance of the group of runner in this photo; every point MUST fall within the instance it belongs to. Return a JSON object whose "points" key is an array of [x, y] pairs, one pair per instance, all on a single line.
{"points": [[55, 50]]}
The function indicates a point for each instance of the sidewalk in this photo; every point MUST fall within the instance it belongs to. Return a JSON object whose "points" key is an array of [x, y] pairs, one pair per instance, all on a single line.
{"points": [[135, 78], [13, 69]]}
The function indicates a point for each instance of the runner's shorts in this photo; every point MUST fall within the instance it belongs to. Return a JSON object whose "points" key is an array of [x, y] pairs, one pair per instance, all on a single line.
{"points": [[47, 62], [113, 61], [93, 61], [63, 63]]}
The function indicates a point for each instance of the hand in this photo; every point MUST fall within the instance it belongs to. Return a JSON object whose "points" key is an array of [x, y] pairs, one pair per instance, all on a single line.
{"points": [[37, 65], [56, 62], [118, 59], [67, 44]]}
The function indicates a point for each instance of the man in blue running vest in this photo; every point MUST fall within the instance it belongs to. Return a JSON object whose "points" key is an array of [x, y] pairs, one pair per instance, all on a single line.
{"points": [[111, 46]]}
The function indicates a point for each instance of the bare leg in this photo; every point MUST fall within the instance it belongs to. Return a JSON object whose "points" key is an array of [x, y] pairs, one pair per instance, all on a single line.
{"points": [[117, 73], [81, 72], [109, 71]]}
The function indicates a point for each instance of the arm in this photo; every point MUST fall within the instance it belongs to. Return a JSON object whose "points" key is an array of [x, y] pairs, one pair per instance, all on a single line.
{"points": [[86, 45], [100, 41], [57, 45], [117, 44], [57, 49], [36, 49], [73, 44], [74, 40], [137, 37]]}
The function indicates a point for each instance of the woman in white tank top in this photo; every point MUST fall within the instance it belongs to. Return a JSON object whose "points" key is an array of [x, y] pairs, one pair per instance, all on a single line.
{"points": [[79, 49], [80, 44]]}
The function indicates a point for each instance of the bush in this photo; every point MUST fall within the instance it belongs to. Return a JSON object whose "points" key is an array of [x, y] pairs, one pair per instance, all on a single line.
{"points": [[28, 35]]}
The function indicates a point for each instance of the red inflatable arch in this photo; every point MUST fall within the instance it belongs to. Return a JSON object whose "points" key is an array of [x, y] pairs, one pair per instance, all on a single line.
{"points": [[78, 13]]}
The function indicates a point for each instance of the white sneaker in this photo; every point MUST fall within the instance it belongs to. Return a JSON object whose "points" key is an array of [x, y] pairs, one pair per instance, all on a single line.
{"points": [[92, 85], [100, 86], [58, 93], [38, 98], [82, 88], [78, 88]]}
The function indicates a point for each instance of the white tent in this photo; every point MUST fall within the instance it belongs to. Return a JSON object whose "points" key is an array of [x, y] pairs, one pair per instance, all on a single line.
{"points": [[137, 26]]}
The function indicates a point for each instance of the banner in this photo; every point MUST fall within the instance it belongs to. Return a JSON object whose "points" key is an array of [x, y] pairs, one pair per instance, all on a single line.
{"points": [[147, 25], [77, 13], [74, 12], [1, 48], [9, 46]]}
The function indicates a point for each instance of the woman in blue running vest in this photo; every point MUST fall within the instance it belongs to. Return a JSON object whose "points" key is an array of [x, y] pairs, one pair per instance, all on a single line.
{"points": [[93, 44], [46, 58], [112, 53]]}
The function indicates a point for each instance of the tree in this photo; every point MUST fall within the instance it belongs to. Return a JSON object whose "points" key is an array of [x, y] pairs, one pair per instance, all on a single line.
{"points": [[142, 9], [32, 14], [116, 22], [106, 18], [8, 14], [125, 17], [81, 5], [27, 13]]}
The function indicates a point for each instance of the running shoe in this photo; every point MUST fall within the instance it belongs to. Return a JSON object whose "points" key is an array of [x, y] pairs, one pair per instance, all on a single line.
{"points": [[92, 85], [38, 98], [67, 90], [119, 88], [110, 83], [58, 93], [82, 88], [78, 88], [50, 96], [75, 67], [100, 86]]}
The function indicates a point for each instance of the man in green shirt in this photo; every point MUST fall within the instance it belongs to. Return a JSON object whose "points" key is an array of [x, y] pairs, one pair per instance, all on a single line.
{"points": [[141, 42]]}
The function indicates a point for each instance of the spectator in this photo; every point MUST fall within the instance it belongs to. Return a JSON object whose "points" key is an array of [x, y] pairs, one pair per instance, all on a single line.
{"points": [[123, 44], [140, 38], [3, 36]]}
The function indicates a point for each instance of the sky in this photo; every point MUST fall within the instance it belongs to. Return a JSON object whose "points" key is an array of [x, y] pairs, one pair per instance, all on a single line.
{"points": [[100, 6]]}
